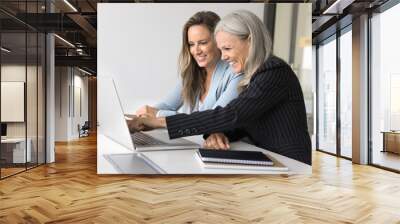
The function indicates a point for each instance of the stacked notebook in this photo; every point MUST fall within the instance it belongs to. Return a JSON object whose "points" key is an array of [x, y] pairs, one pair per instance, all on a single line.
{"points": [[232, 159]]}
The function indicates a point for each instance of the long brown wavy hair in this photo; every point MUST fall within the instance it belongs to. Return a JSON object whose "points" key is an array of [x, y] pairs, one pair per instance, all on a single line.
{"points": [[193, 76]]}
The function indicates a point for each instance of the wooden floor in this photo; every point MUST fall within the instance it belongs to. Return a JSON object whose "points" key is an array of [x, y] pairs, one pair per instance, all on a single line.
{"points": [[70, 191], [5, 172]]}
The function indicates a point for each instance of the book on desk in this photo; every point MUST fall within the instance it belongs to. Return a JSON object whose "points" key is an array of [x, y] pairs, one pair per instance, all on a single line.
{"points": [[233, 159]]}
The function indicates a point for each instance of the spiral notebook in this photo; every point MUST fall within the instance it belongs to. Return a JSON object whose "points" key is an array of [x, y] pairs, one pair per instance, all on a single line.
{"points": [[234, 157]]}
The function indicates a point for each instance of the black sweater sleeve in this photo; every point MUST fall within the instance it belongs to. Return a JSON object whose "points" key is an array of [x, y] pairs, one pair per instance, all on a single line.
{"points": [[266, 90]]}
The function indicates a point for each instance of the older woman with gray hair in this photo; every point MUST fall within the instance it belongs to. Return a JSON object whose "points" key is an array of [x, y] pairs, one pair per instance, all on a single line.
{"points": [[270, 110]]}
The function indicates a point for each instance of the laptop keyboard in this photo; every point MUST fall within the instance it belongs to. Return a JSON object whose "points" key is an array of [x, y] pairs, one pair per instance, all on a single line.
{"points": [[140, 138]]}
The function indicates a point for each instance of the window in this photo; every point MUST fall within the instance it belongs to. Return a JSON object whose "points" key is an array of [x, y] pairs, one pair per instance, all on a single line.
{"points": [[385, 89], [22, 76], [327, 96], [346, 93], [333, 137]]}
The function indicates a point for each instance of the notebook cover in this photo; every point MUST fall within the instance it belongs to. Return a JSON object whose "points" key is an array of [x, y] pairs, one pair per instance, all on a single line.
{"points": [[233, 156]]}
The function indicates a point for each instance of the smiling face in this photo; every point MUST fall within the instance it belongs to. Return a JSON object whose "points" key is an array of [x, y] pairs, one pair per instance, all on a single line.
{"points": [[202, 46], [233, 49]]}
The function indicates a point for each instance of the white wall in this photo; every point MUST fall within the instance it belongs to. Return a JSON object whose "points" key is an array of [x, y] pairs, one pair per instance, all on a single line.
{"points": [[17, 73], [68, 82], [138, 46], [293, 23], [12, 100], [33, 125], [80, 114], [283, 28], [61, 103]]}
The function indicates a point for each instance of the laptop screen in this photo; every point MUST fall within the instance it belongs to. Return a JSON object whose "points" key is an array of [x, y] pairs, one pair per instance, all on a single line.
{"points": [[111, 117]]}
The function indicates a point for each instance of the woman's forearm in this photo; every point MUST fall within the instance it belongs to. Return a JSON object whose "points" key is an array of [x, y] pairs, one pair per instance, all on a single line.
{"points": [[161, 122]]}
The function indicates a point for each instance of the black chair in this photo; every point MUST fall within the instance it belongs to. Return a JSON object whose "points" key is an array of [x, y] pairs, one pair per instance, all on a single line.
{"points": [[84, 130]]}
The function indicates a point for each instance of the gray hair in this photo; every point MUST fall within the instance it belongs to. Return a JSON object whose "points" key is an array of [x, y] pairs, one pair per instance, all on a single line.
{"points": [[246, 25]]}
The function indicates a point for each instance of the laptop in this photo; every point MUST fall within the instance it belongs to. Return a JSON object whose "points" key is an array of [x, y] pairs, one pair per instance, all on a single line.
{"points": [[112, 123], [157, 139]]}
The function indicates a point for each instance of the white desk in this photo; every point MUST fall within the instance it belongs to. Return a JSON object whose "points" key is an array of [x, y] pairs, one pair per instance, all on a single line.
{"points": [[186, 162], [18, 150]]}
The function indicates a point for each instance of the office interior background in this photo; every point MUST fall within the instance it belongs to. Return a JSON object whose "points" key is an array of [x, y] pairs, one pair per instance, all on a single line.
{"points": [[48, 88], [48, 78], [50, 48]]}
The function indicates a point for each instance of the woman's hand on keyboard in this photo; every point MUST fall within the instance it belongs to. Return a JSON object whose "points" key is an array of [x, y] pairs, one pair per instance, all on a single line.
{"points": [[136, 123], [147, 111]]}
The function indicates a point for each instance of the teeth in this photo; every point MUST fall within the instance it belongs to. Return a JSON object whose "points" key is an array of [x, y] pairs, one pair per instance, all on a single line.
{"points": [[231, 63]]}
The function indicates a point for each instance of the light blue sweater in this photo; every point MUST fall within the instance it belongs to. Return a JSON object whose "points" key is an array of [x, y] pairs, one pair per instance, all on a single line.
{"points": [[223, 89]]}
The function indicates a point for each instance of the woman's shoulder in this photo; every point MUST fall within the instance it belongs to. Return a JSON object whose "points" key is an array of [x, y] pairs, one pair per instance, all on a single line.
{"points": [[225, 71], [273, 62], [222, 67], [273, 65], [273, 69]]}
